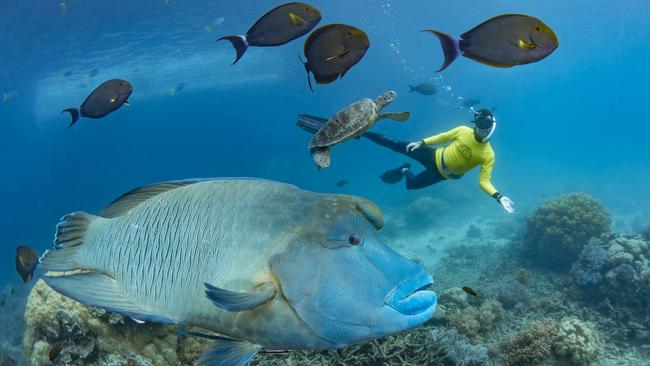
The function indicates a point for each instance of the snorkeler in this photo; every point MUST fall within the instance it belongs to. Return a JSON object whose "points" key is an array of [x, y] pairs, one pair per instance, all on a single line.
{"points": [[466, 148]]}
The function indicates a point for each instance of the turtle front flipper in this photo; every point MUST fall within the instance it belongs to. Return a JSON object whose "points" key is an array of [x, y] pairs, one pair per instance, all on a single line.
{"points": [[395, 116], [321, 156]]}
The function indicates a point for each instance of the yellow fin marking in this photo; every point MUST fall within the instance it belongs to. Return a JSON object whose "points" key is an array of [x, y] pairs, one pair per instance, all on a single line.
{"points": [[295, 19], [339, 55], [524, 44]]}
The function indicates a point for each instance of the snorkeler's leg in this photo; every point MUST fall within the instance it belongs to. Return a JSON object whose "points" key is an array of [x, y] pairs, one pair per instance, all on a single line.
{"points": [[422, 180], [423, 155], [385, 141]]}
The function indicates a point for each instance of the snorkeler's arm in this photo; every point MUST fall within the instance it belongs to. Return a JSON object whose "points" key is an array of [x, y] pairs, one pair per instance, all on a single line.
{"points": [[485, 177], [442, 138]]}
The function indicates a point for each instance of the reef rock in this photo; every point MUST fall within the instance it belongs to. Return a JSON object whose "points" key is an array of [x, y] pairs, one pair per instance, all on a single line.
{"points": [[61, 331], [578, 341], [559, 229]]}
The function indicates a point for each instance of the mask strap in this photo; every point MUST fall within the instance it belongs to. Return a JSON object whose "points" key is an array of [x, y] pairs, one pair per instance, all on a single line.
{"points": [[494, 127]]}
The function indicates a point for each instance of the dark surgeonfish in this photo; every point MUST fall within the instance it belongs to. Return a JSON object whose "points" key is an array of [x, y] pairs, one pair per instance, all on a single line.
{"points": [[277, 27], [105, 99], [424, 89], [177, 88], [503, 41], [342, 183], [26, 261], [468, 102], [332, 50]]}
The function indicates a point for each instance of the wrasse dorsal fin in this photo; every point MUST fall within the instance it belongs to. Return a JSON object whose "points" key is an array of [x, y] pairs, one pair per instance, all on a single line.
{"points": [[240, 301], [128, 201]]}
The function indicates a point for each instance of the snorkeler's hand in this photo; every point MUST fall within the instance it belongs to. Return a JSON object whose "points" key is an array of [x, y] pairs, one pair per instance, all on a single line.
{"points": [[507, 204], [414, 146]]}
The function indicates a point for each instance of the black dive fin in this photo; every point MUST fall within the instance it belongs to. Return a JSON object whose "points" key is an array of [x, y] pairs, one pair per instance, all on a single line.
{"points": [[411, 88], [240, 301], [240, 44], [309, 123], [394, 175], [95, 289], [450, 47], [74, 113], [224, 351]]}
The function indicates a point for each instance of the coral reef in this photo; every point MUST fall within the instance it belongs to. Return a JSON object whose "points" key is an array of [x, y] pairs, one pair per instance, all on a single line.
{"points": [[473, 321], [615, 266], [646, 233], [425, 212], [586, 271], [532, 345], [577, 341], [473, 232], [89, 336], [559, 229]]}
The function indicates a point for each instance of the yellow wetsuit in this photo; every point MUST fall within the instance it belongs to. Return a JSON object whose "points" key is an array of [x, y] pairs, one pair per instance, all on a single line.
{"points": [[462, 154]]}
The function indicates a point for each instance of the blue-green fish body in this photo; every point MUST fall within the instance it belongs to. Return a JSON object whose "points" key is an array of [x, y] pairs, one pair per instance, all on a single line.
{"points": [[264, 263]]}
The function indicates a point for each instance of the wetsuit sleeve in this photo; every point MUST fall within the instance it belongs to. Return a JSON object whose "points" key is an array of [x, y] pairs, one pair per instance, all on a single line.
{"points": [[485, 176], [442, 138]]}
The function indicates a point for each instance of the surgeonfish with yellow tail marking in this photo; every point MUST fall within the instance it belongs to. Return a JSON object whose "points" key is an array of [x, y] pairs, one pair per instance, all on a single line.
{"points": [[332, 50], [266, 265], [280, 25], [106, 98], [503, 41]]}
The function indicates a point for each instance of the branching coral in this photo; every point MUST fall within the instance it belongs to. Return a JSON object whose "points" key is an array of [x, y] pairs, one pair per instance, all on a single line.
{"points": [[532, 345], [473, 321], [577, 341], [559, 229]]}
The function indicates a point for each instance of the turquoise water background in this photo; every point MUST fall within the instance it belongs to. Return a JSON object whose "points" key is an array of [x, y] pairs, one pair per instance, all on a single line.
{"points": [[576, 121]]}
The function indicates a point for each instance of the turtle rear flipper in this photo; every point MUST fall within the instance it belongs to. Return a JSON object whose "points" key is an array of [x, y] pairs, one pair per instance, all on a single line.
{"points": [[321, 156], [395, 116]]}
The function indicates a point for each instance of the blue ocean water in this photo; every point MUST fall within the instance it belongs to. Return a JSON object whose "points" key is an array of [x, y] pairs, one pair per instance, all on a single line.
{"points": [[575, 121]]}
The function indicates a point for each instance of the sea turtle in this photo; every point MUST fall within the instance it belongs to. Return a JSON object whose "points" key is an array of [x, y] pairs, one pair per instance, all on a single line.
{"points": [[351, 122]]}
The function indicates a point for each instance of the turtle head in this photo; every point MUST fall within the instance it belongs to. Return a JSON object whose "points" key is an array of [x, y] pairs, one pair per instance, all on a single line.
{"points": [[385, 99]]}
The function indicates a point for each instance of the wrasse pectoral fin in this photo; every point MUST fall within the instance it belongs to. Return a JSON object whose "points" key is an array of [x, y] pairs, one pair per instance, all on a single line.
{"points": [[240, 301], [526, 45], [224, 351], [295, 19]]}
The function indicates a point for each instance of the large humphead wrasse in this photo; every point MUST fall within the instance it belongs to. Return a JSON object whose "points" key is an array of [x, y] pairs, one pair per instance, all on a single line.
{"points": [[266, 265]]}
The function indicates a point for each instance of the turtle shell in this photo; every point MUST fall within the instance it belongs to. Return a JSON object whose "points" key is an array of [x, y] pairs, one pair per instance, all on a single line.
{"points": [[350, 122]]}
